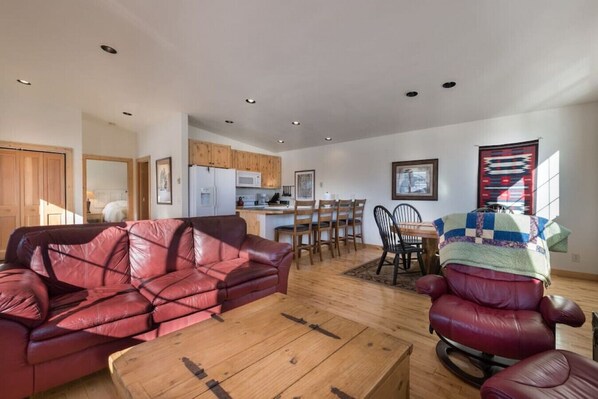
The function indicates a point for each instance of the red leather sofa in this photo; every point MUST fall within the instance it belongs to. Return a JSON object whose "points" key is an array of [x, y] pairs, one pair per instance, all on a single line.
{"points": [[72, 295]]}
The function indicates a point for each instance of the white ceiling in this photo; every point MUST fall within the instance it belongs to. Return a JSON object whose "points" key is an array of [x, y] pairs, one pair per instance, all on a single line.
{"points": [[340, 67]]}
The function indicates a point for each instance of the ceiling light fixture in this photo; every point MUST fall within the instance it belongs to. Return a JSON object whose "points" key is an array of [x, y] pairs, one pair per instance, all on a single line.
{"points": [[108, 49], [449, 85], [328, 139], [296, 123], [127, 113], [411, 93], [250, 100], [280, 141], [24, 82], [229, 121]]}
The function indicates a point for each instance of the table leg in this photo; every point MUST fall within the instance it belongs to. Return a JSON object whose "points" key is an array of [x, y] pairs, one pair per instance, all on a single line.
{"points": [[430, 246]]}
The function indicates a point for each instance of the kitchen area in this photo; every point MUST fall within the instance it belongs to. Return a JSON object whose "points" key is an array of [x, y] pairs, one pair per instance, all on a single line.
{"points": [[224, 181]]}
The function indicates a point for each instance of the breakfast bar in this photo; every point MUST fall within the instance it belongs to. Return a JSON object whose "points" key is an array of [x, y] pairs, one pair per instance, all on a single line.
{"points": [[262, 221]]}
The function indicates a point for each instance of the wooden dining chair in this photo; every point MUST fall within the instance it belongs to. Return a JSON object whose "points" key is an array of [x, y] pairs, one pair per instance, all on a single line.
{"points": [[356, 223], [341, 223], [302, 226], [324, 224], [405, 213]]}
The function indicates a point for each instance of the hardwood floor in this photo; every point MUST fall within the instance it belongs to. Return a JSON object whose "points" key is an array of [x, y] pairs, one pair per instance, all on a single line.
{"points": [[400, 313]]}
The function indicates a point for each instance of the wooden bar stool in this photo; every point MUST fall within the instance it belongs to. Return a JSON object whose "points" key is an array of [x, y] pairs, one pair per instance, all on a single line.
{"points": [[343, 211], [356, 223], [324, 225], [302, 225]]}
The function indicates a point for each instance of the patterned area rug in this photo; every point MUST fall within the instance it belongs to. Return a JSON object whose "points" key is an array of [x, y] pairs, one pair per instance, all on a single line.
{"points": [[367, 272]]}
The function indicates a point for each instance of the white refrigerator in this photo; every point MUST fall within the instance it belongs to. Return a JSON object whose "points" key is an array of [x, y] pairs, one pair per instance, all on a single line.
{"points": [[211, 191]]}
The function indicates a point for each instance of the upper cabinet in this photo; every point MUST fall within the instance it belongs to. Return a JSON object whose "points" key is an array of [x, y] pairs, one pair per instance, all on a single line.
{"points": [[210, 154], [222, 156]]}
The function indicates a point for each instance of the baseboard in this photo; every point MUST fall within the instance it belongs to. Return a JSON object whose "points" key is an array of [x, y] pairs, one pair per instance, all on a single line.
{"points": [[571, 274]]}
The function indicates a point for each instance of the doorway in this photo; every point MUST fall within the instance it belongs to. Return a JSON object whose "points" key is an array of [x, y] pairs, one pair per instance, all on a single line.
{"points": [[143, 188], [107, 189]]}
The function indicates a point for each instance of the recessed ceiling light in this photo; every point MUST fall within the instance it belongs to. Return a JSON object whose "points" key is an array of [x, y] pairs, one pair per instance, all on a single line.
{"points": [[328, 139], [449, 85], [250, 100], [229, 121], [296, 123], [24, 82], [411, 93], [108, 49], [127, 113], [280, 141]]}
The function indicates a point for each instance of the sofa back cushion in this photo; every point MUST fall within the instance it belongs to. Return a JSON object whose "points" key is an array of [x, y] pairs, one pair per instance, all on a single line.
{"points": [[158, 247], [71, 259], [217, 238], [494, 289]]}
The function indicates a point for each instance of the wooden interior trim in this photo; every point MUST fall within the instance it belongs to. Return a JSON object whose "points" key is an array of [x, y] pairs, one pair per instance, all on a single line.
{"points": [[69, 175], [147, 159], [130, 177], [572, 274]]}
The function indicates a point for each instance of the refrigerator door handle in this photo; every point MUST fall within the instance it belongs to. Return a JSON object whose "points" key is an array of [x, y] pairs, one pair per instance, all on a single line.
{"points": [[215, 196]]}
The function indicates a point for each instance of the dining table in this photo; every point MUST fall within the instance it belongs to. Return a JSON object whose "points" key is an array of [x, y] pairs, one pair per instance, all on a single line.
{"points": [[429, 237]]}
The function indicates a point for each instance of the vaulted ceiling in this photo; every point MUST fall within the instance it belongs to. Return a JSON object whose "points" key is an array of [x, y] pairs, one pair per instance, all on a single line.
{"points": [[339, 67]]}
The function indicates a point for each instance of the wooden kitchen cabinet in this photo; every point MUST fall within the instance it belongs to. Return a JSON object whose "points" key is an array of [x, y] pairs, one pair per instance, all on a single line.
{"points": [[270, 166], [210, 154], [245, 160]]}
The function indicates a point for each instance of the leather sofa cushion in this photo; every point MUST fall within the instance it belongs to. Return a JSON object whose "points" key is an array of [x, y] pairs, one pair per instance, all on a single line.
{"points": [[86, 309], [187, 305], [77, 341], [236, 271], [551, 374], [514, 334], [70, 259], [175, 285], [23, 297], [217, 238], [494, 289], [159, 247]]}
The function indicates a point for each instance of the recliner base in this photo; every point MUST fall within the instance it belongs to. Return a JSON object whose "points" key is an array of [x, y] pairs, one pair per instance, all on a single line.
{"points": [[488, 364]]}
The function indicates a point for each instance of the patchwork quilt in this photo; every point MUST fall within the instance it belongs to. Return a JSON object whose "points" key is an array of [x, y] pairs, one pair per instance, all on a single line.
{"points": [[511, 243]]}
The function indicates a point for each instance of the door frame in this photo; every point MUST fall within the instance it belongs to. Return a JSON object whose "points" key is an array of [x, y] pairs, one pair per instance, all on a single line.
{"points": [[69, 176], [130, 187], [145, 159]]}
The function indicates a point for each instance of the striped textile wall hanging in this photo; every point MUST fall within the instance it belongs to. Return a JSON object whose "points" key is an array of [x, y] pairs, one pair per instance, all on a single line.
{"points": [[507, 177]]}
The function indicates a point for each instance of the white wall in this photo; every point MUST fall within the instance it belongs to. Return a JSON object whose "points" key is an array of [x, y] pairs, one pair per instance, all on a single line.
{"points": [[168, 139], [27, 121], [101, 138], [106, 175], [196, 133], [363, 169]]}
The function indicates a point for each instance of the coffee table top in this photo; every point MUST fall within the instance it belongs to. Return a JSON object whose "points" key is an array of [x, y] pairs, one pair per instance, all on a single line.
{"points": [[273, 347]]}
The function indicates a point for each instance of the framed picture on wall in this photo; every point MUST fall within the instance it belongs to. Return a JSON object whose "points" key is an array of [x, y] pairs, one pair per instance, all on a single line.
{"points": [[305, 181], [415, 180], [164, 181]]}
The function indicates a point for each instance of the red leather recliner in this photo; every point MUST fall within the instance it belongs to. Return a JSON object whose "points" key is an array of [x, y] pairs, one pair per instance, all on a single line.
{"points": [[494, 318]]}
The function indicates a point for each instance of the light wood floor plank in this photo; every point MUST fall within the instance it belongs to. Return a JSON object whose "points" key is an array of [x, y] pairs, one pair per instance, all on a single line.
{"points": [[396, 312]]}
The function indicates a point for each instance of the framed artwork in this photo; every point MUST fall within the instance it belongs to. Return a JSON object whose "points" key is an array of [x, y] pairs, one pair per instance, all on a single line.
{"points": [[305, 181], [164, 181], [507, 176], [415, 180]]}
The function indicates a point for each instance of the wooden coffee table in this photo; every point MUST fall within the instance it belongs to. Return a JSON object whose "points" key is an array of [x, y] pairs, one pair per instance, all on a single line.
{"points": [[275, 347]]}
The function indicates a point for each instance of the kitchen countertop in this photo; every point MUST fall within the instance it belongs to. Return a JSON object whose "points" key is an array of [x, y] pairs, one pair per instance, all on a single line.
{"points": [[268, 210]]}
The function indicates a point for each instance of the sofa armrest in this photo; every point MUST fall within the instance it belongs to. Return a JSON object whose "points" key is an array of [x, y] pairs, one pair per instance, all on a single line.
{"points": [[265, 251], [558, 309], [433, 285], [23, 297]]}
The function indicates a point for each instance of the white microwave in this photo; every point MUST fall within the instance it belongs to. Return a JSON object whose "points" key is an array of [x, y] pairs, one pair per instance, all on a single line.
{"points": [[249, 179]]}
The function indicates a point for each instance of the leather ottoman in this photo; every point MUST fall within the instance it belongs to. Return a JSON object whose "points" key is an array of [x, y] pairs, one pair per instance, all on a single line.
{"points": [[550, 374]]}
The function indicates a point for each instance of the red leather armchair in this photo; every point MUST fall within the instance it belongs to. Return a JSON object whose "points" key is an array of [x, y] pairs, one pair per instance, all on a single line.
{"points": [[494, 318]]}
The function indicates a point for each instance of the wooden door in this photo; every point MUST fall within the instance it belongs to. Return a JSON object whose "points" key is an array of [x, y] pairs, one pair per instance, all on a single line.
{"points": [[253, 161], [276, 172], [9, 196], [32, 186], [221, 155], [143, 187], [199, 153], [54, 194], [266, 169]]}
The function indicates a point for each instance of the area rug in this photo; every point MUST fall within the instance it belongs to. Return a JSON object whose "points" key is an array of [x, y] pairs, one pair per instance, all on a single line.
{"points": [[367, 272]]}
